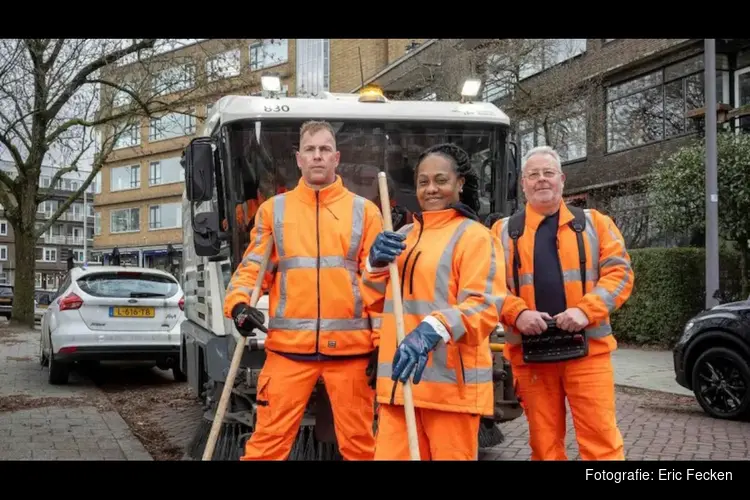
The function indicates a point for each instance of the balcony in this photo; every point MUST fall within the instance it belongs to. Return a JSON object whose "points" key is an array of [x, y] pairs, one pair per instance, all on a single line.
{"points": [[64, 240], [66, 216]]}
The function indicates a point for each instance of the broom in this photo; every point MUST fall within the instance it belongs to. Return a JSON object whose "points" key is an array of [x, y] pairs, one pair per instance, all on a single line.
{"points": [[230, 437], [411, 419]]}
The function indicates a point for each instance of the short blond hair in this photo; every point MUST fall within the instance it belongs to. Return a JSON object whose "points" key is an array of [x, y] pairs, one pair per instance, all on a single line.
{"points": [[313, 126]]}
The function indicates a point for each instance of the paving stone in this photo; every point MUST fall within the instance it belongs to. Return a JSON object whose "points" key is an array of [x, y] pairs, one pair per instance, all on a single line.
{"points": [[65, 428]]}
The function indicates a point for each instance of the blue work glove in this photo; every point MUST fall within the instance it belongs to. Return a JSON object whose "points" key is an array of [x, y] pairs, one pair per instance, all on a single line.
{"points": [[386, 247], [412, 353]]}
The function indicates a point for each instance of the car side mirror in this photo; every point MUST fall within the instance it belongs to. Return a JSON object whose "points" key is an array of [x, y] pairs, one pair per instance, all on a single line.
{"points": [[206, 237]]}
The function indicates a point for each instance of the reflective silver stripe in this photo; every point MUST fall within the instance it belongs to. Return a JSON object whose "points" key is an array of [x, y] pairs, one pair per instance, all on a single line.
{"points": [[440, 373], [334, 324], [358, 224], [279, 207], [596, 332], [312, 263], [375, 285], [609, 297], [376, 322]]}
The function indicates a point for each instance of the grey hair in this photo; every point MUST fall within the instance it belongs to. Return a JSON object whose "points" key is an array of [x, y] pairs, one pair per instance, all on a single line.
{"points": [[542, 150]]}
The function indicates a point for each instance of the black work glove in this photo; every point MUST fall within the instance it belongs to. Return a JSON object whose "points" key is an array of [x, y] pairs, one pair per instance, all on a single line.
{"points": [[247, 319], [372, 369]]}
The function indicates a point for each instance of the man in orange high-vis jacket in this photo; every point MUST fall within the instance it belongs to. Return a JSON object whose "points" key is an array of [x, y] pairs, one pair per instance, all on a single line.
{"points": [[318, 326], [550, 291]]}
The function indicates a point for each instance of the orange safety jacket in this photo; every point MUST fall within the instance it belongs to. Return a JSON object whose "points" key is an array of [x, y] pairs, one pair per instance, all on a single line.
{"points": [[609, 275], [451, 271], [321, 243]]}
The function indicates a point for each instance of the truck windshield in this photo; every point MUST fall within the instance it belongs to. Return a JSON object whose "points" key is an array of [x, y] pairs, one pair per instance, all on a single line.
{"points": [[262, 157]]}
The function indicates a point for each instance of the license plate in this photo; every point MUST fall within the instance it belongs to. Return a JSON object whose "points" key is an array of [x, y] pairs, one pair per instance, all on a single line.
{"points": [[132, 312]]}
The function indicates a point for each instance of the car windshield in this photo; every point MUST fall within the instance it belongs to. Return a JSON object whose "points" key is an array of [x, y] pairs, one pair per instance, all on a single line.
{"points": [[6, 291], [128, 284]]}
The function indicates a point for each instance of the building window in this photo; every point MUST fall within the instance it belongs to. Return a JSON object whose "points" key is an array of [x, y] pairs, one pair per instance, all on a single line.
{"points": [[174, 79], [3, 228], [37, 280], [224, 65], [129, 137], [313, 66], [126, 220], [78, 256], [128, 177], [548, 53], [165, 216], [166, 171], [268, 53], [171, 125], [3, 252], [98, 223], [45, 254], [567, 132], [652, 107]]}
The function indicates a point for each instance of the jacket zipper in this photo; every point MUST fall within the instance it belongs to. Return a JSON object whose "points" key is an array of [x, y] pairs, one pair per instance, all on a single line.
{"points": [[317, 265], [411, 275], [406, 262]]}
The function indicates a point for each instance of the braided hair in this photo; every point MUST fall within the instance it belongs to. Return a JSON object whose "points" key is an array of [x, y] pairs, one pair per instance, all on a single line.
{"points": [[461, 164]]}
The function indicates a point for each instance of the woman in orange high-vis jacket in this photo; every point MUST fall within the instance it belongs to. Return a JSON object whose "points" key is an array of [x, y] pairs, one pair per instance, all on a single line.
{"points": [[452, 286]]}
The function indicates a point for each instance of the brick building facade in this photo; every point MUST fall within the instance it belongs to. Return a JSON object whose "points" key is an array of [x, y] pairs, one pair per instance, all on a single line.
{"points": [[636, 109]]}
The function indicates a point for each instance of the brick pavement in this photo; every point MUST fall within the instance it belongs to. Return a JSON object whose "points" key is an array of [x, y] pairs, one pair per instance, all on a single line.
{"points": [[655, 426], [39, 421]]}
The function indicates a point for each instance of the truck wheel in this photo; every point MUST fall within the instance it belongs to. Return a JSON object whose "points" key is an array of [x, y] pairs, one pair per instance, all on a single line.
{"points": [[178, 374]]}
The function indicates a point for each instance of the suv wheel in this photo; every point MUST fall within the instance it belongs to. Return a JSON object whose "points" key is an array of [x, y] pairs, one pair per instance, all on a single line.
{"points": [[721, 383]]}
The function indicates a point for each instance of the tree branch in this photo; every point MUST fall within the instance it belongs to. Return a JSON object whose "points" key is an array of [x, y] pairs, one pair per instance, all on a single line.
{"points": [[80, 78]]}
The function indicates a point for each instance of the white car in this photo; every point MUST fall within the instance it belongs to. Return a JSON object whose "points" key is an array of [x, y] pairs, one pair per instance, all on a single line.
{"points": [[113, 313]]}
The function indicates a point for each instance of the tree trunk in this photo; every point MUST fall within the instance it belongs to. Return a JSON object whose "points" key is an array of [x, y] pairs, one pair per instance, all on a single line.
{"points": [[23, 295]]}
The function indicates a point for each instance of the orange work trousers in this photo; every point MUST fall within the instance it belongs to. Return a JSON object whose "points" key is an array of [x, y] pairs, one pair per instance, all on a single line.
{"points": [[443, 435], [284, 388], [589, 385]]}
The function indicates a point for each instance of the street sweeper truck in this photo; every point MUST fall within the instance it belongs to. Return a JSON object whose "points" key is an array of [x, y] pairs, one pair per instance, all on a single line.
{"points": [[245, 155]]}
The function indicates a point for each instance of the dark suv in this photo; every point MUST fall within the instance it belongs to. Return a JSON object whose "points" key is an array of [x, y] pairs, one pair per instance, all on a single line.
{"points": [[6, 300], [712, 359]]}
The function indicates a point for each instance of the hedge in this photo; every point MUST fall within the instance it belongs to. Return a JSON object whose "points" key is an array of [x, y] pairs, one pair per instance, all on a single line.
{"points": [[669, 289]]}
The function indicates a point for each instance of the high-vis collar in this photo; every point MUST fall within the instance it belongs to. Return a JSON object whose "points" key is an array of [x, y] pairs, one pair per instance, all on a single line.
{"points": [[534, 218], [434, 219], [328, 194]]}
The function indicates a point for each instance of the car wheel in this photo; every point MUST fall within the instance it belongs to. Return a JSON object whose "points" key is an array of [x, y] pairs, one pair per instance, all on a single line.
{"points": [[58, 372], [721, 383], [42, 358]]}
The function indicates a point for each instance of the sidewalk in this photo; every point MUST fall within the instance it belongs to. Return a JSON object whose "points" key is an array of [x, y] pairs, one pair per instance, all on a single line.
{"points": [[39, 421], [646, 369]]}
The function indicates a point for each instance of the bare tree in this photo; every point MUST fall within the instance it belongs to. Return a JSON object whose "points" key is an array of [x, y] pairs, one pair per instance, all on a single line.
{"points": [[540, 83], [75, 102]]}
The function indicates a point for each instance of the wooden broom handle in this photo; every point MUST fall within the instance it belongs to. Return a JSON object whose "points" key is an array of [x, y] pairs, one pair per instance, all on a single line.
{"points": [[239, 350], [398, 311]]}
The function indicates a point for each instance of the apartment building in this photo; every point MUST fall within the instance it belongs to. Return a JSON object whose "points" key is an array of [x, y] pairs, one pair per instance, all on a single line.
{"points": [[69, 234], [647, 100], [138, 204]]}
